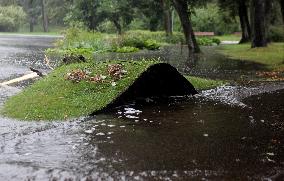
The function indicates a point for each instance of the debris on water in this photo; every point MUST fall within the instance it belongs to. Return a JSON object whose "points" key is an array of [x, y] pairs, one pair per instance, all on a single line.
{"points": [[251, 119], [111, 125], [201, 121], [270, 154], [27, 154], [131, 117], [100, 134], [205, 135], [90, 131], [270, 160], [122, 126], [131, 111]]}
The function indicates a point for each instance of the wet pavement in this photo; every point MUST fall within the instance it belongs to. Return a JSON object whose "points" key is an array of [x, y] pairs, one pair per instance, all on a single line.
{"points": [[228, 133]]}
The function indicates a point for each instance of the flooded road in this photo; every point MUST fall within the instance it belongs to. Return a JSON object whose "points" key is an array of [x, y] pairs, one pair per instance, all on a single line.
{"points": [[228, 133]]}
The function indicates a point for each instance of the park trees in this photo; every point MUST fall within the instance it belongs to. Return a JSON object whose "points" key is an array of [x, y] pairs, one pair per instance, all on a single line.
{"points": [[239, 8], [168, 19], [259, 23], [183, 9], [44, 16]]}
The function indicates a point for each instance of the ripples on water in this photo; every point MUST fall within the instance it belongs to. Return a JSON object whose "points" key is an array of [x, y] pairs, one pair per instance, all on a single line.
{"points": [[197, 138]]}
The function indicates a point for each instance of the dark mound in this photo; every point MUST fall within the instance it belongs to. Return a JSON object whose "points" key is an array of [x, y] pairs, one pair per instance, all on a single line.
{"points": [[159, 81]]}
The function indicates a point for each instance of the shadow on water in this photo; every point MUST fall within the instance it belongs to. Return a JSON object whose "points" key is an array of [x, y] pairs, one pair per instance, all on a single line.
{"points": [[228, 133]]}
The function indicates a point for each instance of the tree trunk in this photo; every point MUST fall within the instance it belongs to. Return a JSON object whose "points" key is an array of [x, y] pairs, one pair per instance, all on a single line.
{"points": [[182, 9], [117, 26], [154, 23], [31, 24], [282, 9], [244, 21], [44, 16], [167, 17], [29, 5], [268, 8], [258, 24]]}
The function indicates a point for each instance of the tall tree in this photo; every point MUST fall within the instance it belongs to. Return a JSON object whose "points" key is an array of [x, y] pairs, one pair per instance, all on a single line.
{"points": [[258, 11], [244, 21], [120, 12], [168, 21], [32, 13], [182, 8], [282, 8], [152, 10], [239, 8], [44, 16]]}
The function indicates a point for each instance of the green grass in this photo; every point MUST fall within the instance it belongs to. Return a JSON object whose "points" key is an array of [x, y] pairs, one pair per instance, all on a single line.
{"points": [[55, 98], [271, 56], [229, 37], [202, 83]]}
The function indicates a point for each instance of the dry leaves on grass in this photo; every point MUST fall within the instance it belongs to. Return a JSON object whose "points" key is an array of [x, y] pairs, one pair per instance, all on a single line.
{"points": [[97, 78], [274, 75], [116, 71], [76, 75]]}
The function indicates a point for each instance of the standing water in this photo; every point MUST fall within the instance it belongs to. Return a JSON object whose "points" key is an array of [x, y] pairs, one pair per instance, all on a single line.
{"points": [[228, 133]]}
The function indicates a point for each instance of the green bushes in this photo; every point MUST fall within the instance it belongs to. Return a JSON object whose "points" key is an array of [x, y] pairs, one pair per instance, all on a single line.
{"points": [[151, 44], [207, 41], [11, 18], [158, 36], [76, 38], [80, 42], [126, 49], [140, 42], [277, 34]]}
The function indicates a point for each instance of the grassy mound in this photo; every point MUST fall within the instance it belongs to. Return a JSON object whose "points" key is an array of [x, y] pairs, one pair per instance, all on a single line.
{"points": [[65, 94]]}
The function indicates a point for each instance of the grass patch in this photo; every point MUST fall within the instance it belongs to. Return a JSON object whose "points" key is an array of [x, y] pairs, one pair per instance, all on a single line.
{"points": [[271, 56], [202, 83], [55, 98]]}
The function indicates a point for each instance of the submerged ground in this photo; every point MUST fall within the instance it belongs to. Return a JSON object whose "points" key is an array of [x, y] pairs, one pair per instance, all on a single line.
{"points": [[232, 132]]}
